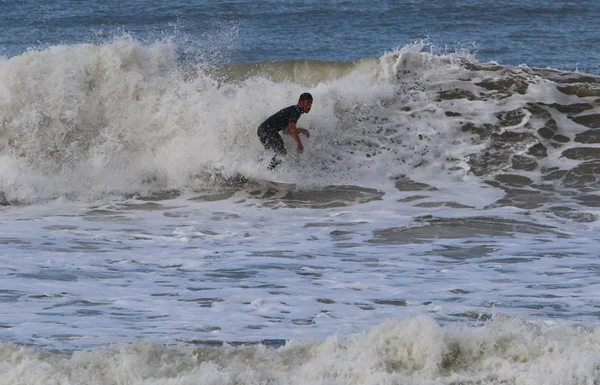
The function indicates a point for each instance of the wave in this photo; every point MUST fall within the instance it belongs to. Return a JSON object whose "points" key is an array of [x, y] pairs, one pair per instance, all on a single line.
{"points": [[416, 351], [85, 121], [308, 73]]}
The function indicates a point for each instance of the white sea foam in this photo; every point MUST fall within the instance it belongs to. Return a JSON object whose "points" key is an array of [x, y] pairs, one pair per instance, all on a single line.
{"points": [[179, 270], [417, 351]]}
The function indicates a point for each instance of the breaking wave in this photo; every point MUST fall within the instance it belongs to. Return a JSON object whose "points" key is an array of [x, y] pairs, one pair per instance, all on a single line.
{"points": [[86, 121]]}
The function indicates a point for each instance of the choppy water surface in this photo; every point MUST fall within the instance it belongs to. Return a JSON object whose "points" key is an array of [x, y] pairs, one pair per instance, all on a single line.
{"points": [[253, 267]]}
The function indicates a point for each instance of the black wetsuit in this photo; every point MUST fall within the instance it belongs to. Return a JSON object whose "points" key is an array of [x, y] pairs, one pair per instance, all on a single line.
{"points": [[268, 131]]}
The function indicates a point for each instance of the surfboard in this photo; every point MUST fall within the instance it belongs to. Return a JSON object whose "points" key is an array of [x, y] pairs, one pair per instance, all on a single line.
{"points": [[275, 184]]}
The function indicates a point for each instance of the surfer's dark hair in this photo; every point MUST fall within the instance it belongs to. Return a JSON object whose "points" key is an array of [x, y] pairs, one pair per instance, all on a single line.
{"points": [[305, 96]]}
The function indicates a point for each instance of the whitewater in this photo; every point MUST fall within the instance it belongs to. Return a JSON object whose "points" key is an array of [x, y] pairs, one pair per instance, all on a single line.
{"points": [[443, 229]]}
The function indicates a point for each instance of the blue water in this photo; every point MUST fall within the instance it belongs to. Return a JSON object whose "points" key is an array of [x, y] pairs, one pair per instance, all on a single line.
{"points": [[557, 34]]}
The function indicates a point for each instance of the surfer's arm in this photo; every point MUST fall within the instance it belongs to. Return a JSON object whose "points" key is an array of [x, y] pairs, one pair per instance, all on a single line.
{"points": [[294, 131]]}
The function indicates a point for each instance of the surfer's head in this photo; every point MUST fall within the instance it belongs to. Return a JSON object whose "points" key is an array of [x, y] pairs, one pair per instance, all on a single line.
{"points": [[305, 102]]}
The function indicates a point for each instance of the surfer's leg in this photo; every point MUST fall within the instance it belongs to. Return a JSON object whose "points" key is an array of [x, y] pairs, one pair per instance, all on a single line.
{"points": [[272, 141], [276, 144], [275, 161]]}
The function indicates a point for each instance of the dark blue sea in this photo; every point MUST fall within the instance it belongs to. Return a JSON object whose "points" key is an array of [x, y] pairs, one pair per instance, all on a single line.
{"points": [[556, 34], [442, 227]]}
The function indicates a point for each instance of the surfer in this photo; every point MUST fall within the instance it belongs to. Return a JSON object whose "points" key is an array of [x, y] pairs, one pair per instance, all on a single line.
{"points": [[268, 131]]}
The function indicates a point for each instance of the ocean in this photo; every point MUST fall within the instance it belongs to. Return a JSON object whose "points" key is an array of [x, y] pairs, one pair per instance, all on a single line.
{"points": [[443, 229]]}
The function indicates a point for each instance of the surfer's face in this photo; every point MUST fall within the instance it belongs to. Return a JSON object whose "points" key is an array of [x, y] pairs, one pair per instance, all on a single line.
{"points": [[305, 104]]}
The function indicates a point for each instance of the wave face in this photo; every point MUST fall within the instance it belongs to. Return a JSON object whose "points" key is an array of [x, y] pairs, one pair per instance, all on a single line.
{"points": [[86, 121]]}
